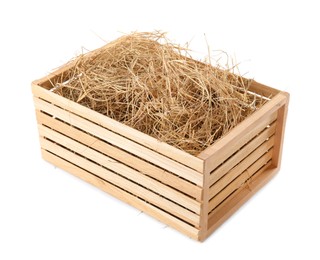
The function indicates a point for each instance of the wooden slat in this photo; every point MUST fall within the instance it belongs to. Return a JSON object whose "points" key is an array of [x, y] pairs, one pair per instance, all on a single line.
{"points": [[241, 134], [241, 154], [248, 185], [234, 172], [279, 135], [130, 133], [122, 195], [263, 90], [204, 206], [56, 76], [119, 181], [121, 142], [121, 169], [237, 199], [240, 180], [120, 155]]}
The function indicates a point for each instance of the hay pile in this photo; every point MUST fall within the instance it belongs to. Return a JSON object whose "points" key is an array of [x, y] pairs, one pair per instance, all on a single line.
{"points": [[152, 85]]}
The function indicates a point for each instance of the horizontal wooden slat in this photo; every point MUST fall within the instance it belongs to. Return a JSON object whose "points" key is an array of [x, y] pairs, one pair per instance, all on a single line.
{"points": [[239, 197], [241, 154], [119, 181], [122, 195], [262, 90], [121, 142], [121, 155], [130, 133], [240, 180], [59, 75], [121, 169], [234, 172], [242, 133]]}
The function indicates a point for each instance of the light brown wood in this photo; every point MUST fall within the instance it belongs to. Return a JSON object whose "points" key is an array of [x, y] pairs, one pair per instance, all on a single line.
{"points": [[219, 216], [238, 136], [240, 180], [122, 195], [193, 194], [128, 159], [121, 142], [280, 129], [263, 90], [242, 153], [121, 169], [205, 205], [126, 131], [121, 182], [239, 168], [57, 75]]}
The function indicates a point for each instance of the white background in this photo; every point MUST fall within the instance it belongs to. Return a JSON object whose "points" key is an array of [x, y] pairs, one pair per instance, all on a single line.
{"points": [[46, 213]]}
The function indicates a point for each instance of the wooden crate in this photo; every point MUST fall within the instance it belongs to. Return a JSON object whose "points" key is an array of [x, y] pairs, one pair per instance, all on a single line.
{"points": [[193, 194]]}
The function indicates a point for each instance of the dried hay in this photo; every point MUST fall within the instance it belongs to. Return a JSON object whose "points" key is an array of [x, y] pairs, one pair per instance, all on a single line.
{"points": [[154, 86]]}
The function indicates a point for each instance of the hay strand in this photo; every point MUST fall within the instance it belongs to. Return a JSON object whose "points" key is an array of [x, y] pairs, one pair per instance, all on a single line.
{"points": [[146, 82]]}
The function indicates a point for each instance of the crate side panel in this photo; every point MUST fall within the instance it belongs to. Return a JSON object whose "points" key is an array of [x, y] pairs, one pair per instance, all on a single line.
{"points": [[280, 130], [244, 177], [239, 168], [241, 134], [242, 153], [239, 197]]}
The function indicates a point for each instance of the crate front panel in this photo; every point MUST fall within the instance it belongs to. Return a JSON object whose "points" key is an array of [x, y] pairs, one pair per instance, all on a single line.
{"points": [[160, 186]]}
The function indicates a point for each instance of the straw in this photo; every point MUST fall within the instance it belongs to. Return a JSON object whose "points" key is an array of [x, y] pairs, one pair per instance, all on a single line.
{"points": [[146, 82]]}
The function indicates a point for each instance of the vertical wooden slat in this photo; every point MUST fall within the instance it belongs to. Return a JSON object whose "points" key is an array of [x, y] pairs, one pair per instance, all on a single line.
{"points": [[205, 205], [280, 129]]}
